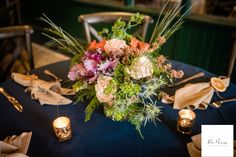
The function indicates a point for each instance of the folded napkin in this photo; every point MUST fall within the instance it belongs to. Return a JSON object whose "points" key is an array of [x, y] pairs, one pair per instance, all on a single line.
{"points": [[194, 96], [194, 147], [15, 146], [46, 92]]}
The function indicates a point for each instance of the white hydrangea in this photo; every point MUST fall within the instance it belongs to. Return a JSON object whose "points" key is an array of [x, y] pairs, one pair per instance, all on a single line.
{"points": [[140, 68]]}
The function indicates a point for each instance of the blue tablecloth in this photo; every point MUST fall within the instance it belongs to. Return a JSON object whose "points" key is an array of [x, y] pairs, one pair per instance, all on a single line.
{"points": [[101, 136]]}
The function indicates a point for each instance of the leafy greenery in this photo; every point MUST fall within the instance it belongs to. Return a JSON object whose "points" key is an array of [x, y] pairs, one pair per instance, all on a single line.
{"points": [[164, 27], [137, 122], [120, 28], [111, 88], [155, 53], [93, 104], [84, 92], [151, 113], [119, 73], [61, 40], [128, 89]]}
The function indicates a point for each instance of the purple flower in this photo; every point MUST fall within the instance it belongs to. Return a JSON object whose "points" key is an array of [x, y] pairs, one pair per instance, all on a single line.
{"points": [[78, 71], [96, 56], [90, 65], [72, 75], [108, 64]]}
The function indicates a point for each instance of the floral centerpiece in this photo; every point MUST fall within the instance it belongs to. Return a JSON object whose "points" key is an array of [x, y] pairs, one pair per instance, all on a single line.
{"points": [[122, 72]]}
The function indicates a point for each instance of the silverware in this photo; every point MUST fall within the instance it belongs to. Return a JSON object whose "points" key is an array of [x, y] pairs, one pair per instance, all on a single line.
{"points": [[197, 75], [217, 104], [13, 101]]}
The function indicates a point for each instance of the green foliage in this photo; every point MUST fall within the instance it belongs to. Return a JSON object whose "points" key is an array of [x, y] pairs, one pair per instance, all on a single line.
{"points": [[167, 26], [128, 89], [60, 39], [150, 87], [151, 113], [78, 85], [154, 54], [111, 87], [83, 92], [137, 120], [136, 20], [75, 59], [119, 74], [120, 28], [86, 93], [93, 104], [104, 33], [115, 112]]}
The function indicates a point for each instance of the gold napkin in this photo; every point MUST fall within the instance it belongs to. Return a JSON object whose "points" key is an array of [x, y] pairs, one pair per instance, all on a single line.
{"points": [[46, 92], [15, 146], [194, 147], [196, 95]]}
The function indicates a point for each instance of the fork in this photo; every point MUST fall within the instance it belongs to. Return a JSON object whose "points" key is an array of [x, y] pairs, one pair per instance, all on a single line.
{"points": [[217, 104], [13, 101]]}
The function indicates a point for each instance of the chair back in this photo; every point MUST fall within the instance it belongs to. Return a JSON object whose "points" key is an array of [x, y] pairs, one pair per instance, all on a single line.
{"points": [[232, 57], [15, 44], [10, 13], [233, 13], [109, 17]]}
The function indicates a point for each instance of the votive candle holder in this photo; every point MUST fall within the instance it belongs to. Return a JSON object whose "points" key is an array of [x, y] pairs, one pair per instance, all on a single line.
{"points": [[62, 128], [185, 121]]}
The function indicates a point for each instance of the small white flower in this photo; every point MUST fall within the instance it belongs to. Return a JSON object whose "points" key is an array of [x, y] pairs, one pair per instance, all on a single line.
{"points": [[140, 68]]}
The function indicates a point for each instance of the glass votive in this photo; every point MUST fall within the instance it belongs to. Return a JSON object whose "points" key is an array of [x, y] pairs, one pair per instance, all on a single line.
{"points": [[62, 128], [185, 121]]}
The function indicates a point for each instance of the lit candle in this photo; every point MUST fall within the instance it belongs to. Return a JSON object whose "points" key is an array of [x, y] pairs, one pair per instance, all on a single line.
{"points": [[62, 128], [185, 121]]}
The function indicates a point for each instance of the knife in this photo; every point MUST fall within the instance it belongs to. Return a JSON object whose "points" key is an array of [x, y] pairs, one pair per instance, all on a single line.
{"points": [[197, 75]]}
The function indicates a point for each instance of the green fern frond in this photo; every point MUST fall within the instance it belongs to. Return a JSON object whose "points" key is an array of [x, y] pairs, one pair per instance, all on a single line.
{"points": [[94, 103], [84, 94]]}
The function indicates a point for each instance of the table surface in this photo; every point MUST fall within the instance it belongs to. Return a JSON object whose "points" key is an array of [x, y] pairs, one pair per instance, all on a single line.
{"points": [[101, 136]]}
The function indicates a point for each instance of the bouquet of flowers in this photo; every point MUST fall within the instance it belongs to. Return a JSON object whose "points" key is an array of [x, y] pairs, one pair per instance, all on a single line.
{"points": [[122, 72]]}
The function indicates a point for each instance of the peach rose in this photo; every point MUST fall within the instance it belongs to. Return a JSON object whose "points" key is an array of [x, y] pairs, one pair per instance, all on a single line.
{"points": [[115, 47], [100, 87]]}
